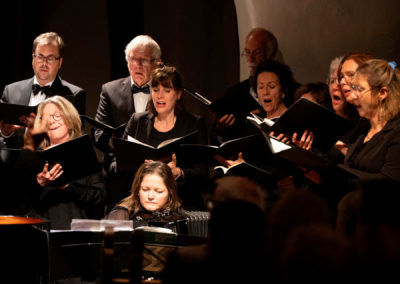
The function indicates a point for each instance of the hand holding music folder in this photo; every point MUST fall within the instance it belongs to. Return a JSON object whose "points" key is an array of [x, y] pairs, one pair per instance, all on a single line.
{"points": [[249, 146], [105, 127], [327, 126], [130, 154], [10, 113], [77, 158], [306, 159]]}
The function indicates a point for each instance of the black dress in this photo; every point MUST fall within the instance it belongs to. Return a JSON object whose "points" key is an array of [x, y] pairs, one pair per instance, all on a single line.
{"points": [[196, 174]]}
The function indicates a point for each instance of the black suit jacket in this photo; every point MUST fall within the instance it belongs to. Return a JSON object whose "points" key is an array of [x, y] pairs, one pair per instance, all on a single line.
{"points": [[20, 93], [380, 157], [115, 108]]}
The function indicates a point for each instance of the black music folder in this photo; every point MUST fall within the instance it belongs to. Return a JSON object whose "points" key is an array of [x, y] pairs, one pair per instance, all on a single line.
{"points": [[131, 154], [256, 174], [77, 158], [249, 146], [210, 105], [10, 113], [307, 159], [105, 127], [327, 126]]}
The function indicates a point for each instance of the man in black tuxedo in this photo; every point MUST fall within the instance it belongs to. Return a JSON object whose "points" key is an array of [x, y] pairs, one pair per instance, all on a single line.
{"points": [[240, 99], [120, 98], [47, 59]]}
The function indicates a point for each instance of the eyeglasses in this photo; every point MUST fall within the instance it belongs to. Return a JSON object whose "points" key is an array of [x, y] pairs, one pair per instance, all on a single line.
{"points": [[56, 116], [348, 76], [358, 89], [51, 59], [334, 80], [258, 52], [141, 61]]}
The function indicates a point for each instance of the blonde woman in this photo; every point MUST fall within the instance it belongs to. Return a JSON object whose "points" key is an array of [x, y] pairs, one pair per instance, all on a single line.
{"points": [[80, 199]]}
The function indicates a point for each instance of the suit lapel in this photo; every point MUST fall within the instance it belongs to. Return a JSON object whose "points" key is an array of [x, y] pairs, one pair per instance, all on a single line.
{"points": [[27, 89], [126, 90]]}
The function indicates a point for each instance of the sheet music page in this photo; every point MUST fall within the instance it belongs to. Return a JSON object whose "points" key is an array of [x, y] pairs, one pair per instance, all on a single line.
{"points": [[99, 225], [277, 146], [131, 139], [156, 229], [268, 122], [260, 120], [166, 142]]}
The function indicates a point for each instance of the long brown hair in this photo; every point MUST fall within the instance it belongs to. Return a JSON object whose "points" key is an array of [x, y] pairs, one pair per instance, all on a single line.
{"points": [[132, 202]]}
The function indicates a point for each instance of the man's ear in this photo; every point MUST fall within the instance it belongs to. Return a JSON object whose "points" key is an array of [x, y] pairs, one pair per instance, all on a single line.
{"points": [[61, 61]]}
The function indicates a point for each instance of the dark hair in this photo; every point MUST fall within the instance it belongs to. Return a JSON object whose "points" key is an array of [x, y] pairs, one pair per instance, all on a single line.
{"points": [[168, 77], [319, 91], [132, 202], [285, 75]]}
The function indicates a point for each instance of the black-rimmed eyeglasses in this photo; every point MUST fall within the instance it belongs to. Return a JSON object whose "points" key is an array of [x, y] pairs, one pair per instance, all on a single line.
{"points": [[51, 59]]}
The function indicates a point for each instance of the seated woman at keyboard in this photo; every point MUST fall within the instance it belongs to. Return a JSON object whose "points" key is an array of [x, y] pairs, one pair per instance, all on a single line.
{"points": [[153, 200]]}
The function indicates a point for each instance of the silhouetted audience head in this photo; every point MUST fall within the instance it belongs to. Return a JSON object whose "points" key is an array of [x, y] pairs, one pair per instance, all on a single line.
{"points": [[300, 207], [314, 254], [238, 188], [371, 203], [348, 213], [376, 251]]}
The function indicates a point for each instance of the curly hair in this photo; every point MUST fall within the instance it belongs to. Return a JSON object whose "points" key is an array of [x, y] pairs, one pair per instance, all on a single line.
{"points": [[285, 75]]}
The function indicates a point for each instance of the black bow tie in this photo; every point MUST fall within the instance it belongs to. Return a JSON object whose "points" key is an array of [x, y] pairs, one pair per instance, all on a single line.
{"points": [[37, 88], [136, 89]]}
